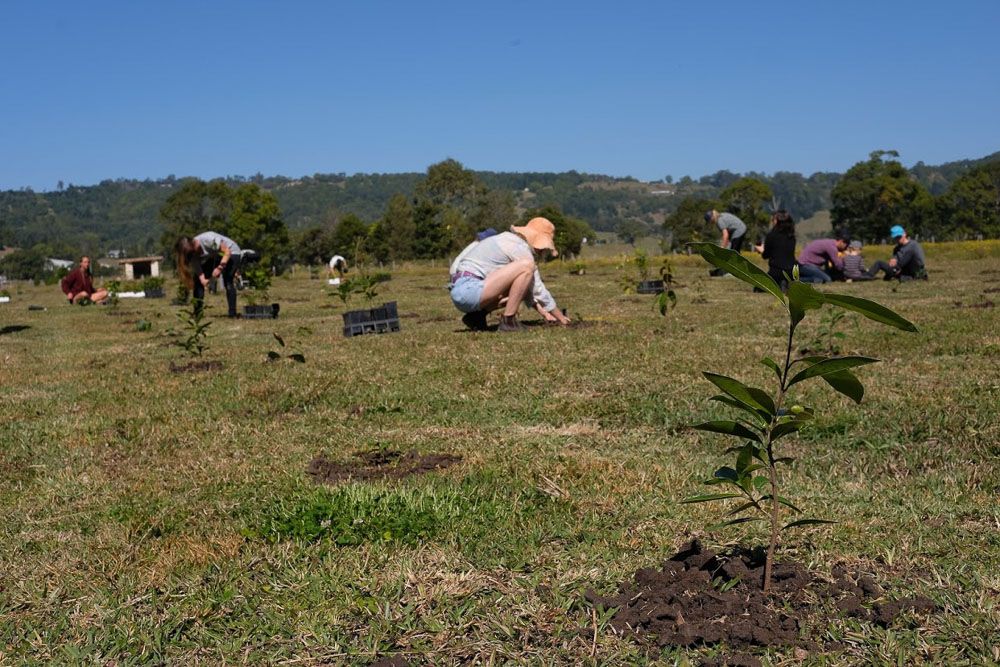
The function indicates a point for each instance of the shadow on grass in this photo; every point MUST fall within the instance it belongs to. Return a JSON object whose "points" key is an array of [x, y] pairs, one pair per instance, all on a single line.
{"points": [[13, 328]]}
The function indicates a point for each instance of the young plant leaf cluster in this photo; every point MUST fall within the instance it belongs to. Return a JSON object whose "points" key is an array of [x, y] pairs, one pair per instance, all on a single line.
{"points": [[753, 479], [194, 328], [275, 356], [667, 299]]}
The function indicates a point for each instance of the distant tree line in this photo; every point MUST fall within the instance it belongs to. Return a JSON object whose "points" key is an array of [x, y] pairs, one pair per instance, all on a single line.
{"points": [[867, 200], [428, 215]]}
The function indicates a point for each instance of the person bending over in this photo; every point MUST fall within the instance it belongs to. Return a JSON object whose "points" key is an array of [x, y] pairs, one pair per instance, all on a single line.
{"points": [[78, 285], [821, 257], [211, 253], [733, 231], [500, 272]]}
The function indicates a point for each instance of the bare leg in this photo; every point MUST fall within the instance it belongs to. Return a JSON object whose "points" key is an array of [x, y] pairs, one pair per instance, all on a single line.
{"points": [[99, 296], [512, 283]]}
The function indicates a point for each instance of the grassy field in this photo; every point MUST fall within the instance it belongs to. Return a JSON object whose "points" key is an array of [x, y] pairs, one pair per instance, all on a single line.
{"points": [[152, 516]]}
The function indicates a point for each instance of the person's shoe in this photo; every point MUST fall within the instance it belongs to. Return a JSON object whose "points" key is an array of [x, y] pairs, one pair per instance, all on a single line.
{"points": [[476, 320], [716, 272], [509, 324]]}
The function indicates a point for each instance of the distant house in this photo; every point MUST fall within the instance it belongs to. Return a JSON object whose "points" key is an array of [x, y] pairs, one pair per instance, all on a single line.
{"points": [[116, 254], [141, 267]]}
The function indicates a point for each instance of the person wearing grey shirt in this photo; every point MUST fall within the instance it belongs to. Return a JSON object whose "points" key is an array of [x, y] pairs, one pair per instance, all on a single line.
{"points": [[907, 260], [208, 252], [499, 272], [733, 231]]}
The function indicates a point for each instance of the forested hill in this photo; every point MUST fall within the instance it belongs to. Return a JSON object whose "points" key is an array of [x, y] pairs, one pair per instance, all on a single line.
{"points": [[123, 214]]}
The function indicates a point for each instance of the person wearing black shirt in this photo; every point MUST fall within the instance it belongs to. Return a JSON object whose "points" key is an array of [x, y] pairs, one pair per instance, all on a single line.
{"points": [[778, 247]]}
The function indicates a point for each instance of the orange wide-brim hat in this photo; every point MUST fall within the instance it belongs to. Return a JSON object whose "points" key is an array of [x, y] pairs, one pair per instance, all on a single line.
{"points": [[540, 234]]}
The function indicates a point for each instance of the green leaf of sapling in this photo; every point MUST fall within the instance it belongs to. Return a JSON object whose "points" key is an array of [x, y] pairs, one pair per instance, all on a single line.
{"points": [[773, 365], [752, 396], [759, 416], [734, 263], [846, 383], [729, 428], [871, 310], [829, 366], [733, 522], [806, 522], [278, 338], [708, 497]]}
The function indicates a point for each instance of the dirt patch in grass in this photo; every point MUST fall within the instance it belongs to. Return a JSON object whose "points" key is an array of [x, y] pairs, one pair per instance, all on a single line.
{"points": [[985, 303], [378, 464], [700, 597], [196, 366], [991, 290]]}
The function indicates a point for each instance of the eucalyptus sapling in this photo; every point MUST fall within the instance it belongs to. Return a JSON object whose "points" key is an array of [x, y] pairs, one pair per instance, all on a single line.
{"points": [[766, 419]]}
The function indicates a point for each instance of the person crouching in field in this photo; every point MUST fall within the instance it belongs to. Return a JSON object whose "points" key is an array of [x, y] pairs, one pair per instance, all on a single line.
{"points": [[213, 253], [78, 285], [500, 272]]}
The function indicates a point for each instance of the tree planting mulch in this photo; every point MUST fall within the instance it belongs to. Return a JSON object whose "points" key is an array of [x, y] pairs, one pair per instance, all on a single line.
{"points": [[378, 464], [700, 597]]}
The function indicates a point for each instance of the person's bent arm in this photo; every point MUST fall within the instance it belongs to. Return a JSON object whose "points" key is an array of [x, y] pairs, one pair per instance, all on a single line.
{"points": [[226, 253], [725, 238]]}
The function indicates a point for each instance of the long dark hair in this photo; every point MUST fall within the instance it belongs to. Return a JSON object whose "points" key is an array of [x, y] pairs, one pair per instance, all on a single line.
{"points": [[783, 223], [185, 253], [90, 266]]}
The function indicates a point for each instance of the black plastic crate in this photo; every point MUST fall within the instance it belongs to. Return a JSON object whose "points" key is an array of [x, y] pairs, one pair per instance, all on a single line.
{"points": [[261, 312], [383, 319], [650, 287]]}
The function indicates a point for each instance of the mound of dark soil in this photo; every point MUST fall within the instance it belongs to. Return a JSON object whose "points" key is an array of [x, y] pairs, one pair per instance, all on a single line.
{"points": [[378, 464], [700, 597], [196, 366]]}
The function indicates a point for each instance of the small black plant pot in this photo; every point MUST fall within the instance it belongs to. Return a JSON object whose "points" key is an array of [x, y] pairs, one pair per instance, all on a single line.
{"points": [[261, 311], [383, 319], [154, 293], [650, 287]]}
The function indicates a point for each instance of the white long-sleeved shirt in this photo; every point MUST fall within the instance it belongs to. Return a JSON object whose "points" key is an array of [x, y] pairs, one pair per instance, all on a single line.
{"points": [[484, 257]]}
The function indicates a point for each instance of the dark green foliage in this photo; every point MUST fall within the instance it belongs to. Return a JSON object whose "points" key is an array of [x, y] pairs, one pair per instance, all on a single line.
{"points": [[972, 204], [27, 264], [260, 284], [753, 479], [687, 223], [877, 194], [346, 517], [748, 199], [247, 214], [347, 232]]}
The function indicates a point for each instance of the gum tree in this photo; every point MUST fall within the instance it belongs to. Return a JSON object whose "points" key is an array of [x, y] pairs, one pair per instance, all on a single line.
{"points": [[753, 479]]}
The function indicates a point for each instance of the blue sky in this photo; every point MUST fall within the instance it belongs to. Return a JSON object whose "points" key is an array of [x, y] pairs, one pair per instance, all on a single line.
{"points": [[143, 89]]}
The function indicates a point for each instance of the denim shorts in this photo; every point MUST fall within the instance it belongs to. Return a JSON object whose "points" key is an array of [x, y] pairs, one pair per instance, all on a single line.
{"points": [[466, 293]]}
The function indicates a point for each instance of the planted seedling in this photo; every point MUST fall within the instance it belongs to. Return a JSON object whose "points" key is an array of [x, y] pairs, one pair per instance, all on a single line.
{"points": [[667, 298], [194, 328], [765, 418], [275, 356], [825, 341], [114, 287], [260, 280]]}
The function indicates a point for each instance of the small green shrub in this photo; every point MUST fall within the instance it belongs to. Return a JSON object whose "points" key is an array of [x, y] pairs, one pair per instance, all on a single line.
{"points": [[194, 328]]}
